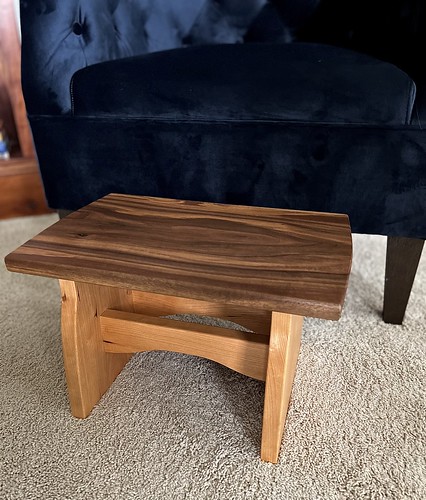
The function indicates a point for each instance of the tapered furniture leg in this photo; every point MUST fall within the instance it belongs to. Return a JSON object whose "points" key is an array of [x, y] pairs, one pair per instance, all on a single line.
{"points": [[402, 260], [284, 345], [89, 370]]}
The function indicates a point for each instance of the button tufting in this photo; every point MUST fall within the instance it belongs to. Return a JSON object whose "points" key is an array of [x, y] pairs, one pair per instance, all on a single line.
{"points": [[77, 29]]}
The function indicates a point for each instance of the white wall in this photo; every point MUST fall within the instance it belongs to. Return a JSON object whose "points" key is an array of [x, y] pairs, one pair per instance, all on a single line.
{"points": [[16, 5]]}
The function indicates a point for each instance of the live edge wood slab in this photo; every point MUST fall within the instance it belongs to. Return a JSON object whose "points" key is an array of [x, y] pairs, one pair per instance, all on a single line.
{"points": [[124, 262]]}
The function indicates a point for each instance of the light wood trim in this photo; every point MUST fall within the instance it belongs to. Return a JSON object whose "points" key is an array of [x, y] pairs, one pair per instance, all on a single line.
{"points": [[155, 304], [21, 194], [18, 166], [243, 352], [89, 369], [10, 53], [284, 348]]}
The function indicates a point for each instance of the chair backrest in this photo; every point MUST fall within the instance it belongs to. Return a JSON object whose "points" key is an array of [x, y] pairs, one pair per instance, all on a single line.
{"points": [[59, 37]]}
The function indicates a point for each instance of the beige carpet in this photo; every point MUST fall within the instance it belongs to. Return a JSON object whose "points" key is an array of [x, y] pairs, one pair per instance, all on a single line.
{"points": [[179, 427]]}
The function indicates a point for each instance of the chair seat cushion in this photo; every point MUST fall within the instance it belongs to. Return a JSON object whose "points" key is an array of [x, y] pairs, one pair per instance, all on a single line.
{"points": [[295, 82]]}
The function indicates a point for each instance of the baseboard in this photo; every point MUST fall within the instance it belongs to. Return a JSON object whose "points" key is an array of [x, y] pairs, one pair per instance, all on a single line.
{"points": [[21, 190]]}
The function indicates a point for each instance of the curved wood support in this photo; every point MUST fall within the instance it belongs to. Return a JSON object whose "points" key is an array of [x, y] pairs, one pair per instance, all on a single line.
{"points": [[124, 332]]}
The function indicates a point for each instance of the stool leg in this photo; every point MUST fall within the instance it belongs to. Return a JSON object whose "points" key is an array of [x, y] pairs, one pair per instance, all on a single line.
{"points": [[89, 370], [284, 348]]}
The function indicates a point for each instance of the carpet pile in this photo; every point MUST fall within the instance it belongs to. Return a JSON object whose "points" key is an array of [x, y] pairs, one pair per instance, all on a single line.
{"points": [[180, 427]]}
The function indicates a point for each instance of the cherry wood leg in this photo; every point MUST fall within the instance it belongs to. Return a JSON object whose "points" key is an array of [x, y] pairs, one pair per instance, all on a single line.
{"points": [[402, 259], [89, 370], [284, 345]]}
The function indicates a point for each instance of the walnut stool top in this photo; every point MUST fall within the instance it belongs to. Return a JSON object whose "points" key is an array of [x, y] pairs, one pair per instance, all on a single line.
{"points": [[264, 258]]}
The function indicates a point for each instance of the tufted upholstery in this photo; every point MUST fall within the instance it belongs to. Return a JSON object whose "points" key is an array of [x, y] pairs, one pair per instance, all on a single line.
{"points": [[304, 122], [74, 34], [304, 104]]}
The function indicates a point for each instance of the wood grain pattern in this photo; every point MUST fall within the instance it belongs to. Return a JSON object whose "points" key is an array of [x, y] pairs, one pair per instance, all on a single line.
{"points": [[246, 353], [21, 191], [89, 369], [125, 260], [284, 345], [261, 258]]}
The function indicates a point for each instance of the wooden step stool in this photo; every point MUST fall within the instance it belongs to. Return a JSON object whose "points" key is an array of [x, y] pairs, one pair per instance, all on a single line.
{"points": [[124, 261]]}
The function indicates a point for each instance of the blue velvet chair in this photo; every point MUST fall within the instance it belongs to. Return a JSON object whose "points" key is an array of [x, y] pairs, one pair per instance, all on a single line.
{"points": [[302, 104]]}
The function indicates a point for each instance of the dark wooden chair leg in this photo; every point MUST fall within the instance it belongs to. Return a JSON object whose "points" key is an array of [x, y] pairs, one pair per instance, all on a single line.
{"points": [[402, 259]]}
